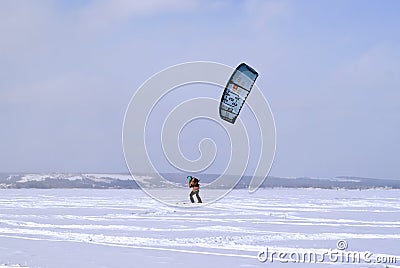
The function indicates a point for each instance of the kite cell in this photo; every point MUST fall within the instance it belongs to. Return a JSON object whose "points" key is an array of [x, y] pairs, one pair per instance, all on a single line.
{"points": [[236, 92]]}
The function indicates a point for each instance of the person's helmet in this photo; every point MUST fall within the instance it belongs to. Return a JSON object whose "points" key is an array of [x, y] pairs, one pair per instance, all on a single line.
{"points": [[189, 178]]}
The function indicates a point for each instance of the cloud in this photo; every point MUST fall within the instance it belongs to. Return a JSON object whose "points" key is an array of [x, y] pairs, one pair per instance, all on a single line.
{"points": [[378, 64], [373, 75], [103, 14], [23, 23], [260, 12]]}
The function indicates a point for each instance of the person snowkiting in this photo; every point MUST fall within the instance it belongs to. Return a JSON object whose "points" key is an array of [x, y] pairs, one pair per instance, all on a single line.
{"points": [[194, 184]]}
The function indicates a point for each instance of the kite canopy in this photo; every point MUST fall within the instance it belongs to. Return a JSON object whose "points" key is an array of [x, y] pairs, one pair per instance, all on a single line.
{"points": [[236, 91]]}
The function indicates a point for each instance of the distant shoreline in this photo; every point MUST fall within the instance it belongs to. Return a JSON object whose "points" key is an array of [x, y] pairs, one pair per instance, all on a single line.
{"points": [[125, 181]]}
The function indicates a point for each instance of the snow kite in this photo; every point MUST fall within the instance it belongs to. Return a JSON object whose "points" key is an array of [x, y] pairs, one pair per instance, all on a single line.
{"points": [[236, 91]]}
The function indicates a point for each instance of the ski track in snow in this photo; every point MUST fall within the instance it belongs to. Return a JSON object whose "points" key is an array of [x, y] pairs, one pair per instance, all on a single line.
{"points": [[240, 225]]}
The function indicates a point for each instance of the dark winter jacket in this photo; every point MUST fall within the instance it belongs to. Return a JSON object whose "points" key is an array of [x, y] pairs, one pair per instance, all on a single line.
{"points": [[194, 183]]}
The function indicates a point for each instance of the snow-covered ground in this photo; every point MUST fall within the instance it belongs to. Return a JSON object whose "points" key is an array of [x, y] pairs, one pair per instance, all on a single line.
{"points": [[126, 228]]}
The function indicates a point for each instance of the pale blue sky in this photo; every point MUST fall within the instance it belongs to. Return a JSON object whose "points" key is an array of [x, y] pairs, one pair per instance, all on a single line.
{"points": [[329, 69]]}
